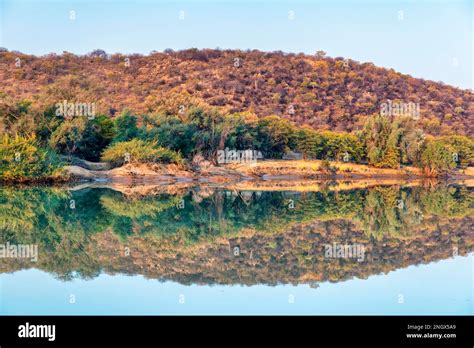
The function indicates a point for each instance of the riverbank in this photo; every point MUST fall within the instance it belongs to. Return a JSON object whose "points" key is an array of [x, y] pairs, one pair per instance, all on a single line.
{"points": [[265, 170], [268, 170]]}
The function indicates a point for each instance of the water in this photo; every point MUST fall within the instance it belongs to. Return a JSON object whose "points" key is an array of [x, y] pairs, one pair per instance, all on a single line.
{"points": [[180, 249]]}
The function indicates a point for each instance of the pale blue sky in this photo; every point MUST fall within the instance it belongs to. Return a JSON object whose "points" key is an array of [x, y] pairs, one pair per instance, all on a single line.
{"points": [[427, 39]]}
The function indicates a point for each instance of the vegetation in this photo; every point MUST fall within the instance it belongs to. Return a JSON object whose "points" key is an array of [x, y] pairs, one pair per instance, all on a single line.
{"points": [[436, 158], [169, 138], [23, 159], [323, 92], [139, 151], [200, 117]]}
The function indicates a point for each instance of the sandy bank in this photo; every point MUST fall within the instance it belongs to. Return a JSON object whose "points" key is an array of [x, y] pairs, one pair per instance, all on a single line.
{"points": [[277, 170]]}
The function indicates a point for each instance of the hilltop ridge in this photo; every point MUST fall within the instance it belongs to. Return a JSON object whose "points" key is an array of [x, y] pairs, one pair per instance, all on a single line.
{"points": [[316, 90]]}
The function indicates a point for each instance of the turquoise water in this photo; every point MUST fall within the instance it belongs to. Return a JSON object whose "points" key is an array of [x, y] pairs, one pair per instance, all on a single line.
{"points": [[210, 251]]}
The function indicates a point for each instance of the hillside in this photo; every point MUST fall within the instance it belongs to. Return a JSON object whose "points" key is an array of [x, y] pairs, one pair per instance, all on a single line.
{"points": [[323, 92]]}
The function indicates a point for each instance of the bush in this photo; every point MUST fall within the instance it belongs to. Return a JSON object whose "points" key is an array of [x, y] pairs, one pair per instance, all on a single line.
{"points": [[126, 125], [22, 159], [327, 168], [96, 137], [462, 146], [437, 158], [83, 138], [66, 138], [139, 151]]}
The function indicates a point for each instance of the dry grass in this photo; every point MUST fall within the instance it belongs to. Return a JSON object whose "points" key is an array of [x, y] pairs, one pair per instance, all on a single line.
{"points": [[308, 168]]}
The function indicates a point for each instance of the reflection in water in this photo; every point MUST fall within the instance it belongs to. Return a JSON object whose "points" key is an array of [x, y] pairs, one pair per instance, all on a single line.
{"points": [[211, 236]]}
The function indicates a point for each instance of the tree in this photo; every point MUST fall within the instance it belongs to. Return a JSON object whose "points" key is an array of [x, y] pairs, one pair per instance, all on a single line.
{"points": [[436, 158], [97, 136], [126, 127], [462, 149], [308, 142], [67, 137], [341, 146], [275, 136], [241, 131], [171, 132], [380, 137]]}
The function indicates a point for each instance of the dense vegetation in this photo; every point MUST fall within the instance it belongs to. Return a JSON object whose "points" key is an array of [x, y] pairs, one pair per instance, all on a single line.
{"points": [[176, 128], [325, 93], [170, 138], [23, 159]]}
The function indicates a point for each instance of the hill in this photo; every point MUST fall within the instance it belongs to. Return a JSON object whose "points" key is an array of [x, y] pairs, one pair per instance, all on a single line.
{"points": [[323, 92]]}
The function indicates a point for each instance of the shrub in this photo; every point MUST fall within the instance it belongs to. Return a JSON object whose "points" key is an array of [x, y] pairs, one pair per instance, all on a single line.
{"points": [[437, 158], [66, 138], [139, 151], [22, 159], [462, 146], [327, 168], [126, 125], [83, 138], [338, 145]]}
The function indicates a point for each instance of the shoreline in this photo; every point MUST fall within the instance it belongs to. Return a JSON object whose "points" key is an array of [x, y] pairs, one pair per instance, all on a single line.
{"points": [[263, 171], [270, 170], [297, 176]]}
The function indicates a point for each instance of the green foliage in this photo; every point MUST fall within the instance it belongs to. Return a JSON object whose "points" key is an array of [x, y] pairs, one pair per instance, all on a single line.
{"points": [[380, 136], [82, 137], [139, 151], [240, 132], [339, 146], [309, 143], [127, 128], [437, 158], [171, 132], [461, 147], [275, 136], [383, 142], [67, 137], [411, 143], [22, 159], [208, 128], [97, 135]]}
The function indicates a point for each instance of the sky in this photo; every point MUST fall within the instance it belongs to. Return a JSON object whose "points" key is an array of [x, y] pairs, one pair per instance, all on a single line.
{"points": [[430, 39]]}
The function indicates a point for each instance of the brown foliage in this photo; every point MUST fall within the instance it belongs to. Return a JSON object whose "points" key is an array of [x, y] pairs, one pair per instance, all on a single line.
{"points": [[325, 93]]}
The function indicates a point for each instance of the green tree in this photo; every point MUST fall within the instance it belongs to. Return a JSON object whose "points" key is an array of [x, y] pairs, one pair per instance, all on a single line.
{"points": [[380, 136], [127, 128], [68, 136], [275, 136], [97, 135], [308, 142], [462, 149], [437, 158]]}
